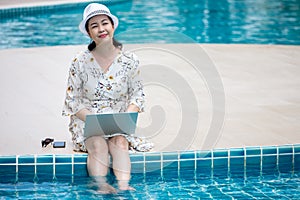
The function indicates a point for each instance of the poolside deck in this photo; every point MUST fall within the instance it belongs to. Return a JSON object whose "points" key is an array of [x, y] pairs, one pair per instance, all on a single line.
{"points": [[261, 87]]}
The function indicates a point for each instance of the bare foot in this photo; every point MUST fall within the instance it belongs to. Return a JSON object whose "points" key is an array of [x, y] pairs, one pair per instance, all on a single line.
{"points": [[105, 188], [123, 185]]}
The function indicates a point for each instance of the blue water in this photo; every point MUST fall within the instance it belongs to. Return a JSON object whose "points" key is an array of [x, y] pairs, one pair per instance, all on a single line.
{"points": [[169, 185], [204, 21]]}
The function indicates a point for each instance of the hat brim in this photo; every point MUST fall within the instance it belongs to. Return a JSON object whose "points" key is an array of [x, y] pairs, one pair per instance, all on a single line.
{"points": [[83, 22]]}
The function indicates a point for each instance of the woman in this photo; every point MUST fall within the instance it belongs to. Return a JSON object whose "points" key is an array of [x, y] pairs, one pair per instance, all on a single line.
{"points": [[103, 79]]}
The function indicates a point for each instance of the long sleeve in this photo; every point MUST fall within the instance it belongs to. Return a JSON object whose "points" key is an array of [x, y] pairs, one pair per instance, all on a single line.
{"points": [[135, 90], [75, 100]]}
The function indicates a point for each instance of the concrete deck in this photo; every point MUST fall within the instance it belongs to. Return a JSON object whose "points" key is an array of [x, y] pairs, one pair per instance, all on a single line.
{"points": [[261, 87]]}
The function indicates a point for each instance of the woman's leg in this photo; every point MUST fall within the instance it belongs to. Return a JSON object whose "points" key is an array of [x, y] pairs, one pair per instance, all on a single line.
{"points": [[118, 148], [97, 162]]}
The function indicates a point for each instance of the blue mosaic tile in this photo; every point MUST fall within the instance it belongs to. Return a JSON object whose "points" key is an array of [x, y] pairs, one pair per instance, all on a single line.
{"points": [[187, 155], [7, 169], [153, 166], [42, 159], [26, 160], [220, 153], [170, 165], [187, 164], [297, 161], [269, 161], [204, 163], [285, 163], [136, 158], [63, 170], [204, 154], [237, 152], [80, 158], [80, 170], [63, 159], [45, 172], [285, 149], [236, 164], [253, 160], [269, 150], [153, 157], [170, 156], [26, 173], [137, 168], [220, 162], [7, 160], [297, 148], [253, 151]]}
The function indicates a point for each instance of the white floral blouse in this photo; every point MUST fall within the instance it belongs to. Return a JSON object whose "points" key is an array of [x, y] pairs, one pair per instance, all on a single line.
{"points": [[101, 92]]}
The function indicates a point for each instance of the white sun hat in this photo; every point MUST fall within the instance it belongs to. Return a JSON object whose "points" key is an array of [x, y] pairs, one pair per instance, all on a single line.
{"points": [[92, 10]]}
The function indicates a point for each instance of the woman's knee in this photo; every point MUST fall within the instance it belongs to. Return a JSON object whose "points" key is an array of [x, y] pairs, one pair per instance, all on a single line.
{"points": [[96, 144], [119, 142]]}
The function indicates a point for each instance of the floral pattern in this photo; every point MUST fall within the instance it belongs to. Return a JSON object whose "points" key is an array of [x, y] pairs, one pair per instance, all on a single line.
{"points": [[90, 87]]}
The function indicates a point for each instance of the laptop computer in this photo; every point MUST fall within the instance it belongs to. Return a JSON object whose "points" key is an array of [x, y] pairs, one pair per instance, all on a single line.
{"points": [[110, 123]]}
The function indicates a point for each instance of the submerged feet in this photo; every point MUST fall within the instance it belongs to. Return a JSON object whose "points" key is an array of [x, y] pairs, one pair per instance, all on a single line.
{"points": [[123, 185], [105, 188]]}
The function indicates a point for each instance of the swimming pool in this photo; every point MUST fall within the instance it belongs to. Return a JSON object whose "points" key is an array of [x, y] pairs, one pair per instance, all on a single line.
{"points": [[223, 21], [268, 172]]}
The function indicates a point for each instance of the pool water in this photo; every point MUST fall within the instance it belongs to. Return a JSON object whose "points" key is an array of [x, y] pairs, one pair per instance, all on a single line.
{"points": [[189, 184], [223, 21], [269, 172]]}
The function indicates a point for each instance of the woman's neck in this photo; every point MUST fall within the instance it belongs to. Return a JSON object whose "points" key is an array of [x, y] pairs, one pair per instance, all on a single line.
{"points": [[104, 50]]}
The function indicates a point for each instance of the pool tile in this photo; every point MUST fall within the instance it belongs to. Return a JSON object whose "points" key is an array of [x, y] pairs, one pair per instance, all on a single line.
{"points": [[204, 154], [153, 166], [45, 172], [170, 156], [269, 150], [253, 151], [204, 163], [253, 160], [7, 160], [63, 159], [80, 158], [285, 149], [187, 164], [26, 173], [170, 165], [297, 161], [45, 159], [237, 152], [26, 159], [285, 163], [136, 158], [269, 161], [153, 157], [187, 155], [297, 148], [63, 170], [220, 153], [220, 162], [80, 170], [137, 168]]}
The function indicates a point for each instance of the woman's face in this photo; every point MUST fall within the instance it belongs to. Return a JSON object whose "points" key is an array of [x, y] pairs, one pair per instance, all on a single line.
{"points": [[100, 29]]}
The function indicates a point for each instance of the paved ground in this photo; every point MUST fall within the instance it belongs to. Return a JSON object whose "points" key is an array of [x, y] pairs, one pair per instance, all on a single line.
{"points": [[261, 89]]}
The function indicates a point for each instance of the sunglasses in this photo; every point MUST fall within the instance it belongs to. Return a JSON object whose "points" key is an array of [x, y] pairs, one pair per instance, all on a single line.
{"points": [[47, 141]]}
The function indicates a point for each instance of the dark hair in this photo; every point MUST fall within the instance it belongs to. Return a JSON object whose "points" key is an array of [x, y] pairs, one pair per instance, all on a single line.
{"points": [[92, 45]]}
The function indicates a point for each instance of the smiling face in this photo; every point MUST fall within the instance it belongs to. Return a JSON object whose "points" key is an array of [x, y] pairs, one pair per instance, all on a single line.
{"points": [[100, 29]]}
